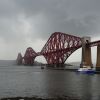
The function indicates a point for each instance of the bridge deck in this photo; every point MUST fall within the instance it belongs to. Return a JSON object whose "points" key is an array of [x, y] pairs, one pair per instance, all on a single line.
{"points": [[94, 43]]}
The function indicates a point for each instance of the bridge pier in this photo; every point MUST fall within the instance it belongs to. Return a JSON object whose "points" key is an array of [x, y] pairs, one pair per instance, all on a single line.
{"points": [[86, 53], [98, 58]]}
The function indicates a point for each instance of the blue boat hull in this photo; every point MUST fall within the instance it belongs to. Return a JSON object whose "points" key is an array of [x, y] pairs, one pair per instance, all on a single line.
{"points": [[88, 71]]}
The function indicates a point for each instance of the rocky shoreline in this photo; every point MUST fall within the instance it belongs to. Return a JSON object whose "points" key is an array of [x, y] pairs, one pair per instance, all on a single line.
{"points": [[37, 98]]}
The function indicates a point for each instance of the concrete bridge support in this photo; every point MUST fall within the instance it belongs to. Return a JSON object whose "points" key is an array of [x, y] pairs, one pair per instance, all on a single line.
{"points": [[86, 53], [98, 58]]}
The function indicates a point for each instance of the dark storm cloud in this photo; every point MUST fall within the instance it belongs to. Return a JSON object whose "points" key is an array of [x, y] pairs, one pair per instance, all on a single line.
{"points": [[79, 17], [30, 22]]}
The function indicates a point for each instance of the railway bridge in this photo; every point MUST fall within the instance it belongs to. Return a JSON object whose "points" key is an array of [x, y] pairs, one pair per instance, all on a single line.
{"points": [[59, 47]]}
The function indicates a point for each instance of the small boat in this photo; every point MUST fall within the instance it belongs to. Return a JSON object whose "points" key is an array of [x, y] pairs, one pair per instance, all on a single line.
{"points": [[86, 70]]}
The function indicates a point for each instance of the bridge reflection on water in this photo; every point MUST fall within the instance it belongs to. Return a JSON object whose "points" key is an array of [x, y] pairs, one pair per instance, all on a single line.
{"points": [[34, 81]]}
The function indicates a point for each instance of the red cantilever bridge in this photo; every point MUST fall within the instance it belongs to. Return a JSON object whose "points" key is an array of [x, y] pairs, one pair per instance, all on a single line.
{"points": [[59, 47]]}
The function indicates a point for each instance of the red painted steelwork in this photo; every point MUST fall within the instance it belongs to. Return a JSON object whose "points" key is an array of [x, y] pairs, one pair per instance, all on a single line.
{"points": [[29, 56], [56, 50], [59, 47]]}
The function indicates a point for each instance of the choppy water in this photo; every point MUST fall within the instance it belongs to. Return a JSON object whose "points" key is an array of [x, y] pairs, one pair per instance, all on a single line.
{"points": [[33, 81]]}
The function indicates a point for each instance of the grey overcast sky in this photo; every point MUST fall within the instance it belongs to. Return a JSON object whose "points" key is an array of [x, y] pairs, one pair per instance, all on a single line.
{"points": [[25, 23]]}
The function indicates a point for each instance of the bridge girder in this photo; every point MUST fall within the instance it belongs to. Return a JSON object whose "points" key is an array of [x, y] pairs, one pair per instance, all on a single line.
{"points": [[56, 50], [59, 47], [29, 56]]}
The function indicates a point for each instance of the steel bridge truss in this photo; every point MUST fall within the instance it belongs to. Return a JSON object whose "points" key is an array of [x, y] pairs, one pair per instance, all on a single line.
{"points": [[29, 56], [59, 47], [56, 50]]}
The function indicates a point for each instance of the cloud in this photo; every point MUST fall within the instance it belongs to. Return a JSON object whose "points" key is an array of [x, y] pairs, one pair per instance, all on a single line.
{"points": [[35, 20], [77, 17]]}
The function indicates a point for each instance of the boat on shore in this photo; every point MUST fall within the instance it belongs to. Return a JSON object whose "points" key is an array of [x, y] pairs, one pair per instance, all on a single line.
{"points": [[86, 70]]}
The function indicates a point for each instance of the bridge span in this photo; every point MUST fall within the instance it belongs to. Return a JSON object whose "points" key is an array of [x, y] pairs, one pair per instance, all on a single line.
{"points": [[59, 47]]}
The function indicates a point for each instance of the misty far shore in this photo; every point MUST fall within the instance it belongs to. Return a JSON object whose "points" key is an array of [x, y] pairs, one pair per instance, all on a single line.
{"points": [[13, 62]]}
